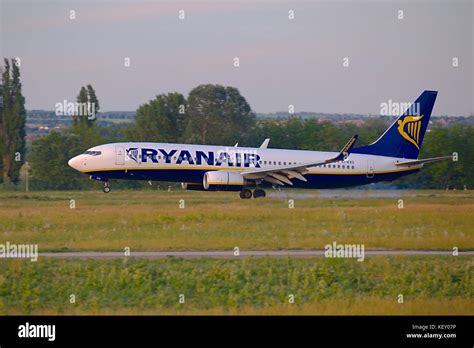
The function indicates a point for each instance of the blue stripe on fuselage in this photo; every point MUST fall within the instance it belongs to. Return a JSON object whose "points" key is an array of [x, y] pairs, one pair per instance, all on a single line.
{"points": [[195, 176]]}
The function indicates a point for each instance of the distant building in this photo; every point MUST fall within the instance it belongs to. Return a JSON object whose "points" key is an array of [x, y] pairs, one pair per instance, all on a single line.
{"points": [[358, 123]]}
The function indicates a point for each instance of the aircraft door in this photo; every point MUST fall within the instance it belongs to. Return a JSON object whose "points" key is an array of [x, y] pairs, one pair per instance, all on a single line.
{"points": [[119, 155], [370, 169]]}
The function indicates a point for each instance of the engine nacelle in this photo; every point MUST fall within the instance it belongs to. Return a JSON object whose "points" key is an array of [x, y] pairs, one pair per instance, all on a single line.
{"points": [[223, 180]]}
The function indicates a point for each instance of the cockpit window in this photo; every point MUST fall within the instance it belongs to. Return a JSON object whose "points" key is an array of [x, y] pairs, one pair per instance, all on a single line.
{"points": [[93, 153]]}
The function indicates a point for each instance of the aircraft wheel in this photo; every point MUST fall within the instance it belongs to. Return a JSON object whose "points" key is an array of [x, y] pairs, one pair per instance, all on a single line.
{"points": [[106, 188], [258, 193], [245, 194]]}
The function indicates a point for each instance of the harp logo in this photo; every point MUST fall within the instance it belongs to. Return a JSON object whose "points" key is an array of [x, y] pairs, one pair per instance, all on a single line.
{"points": [[133, 153], [409, 128]]}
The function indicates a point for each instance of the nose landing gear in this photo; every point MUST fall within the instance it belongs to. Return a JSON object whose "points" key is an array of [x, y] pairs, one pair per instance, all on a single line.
{"points": [[106, 188]]}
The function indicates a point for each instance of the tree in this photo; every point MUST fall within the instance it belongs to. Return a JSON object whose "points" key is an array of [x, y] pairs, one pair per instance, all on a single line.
{"points": [[49, 157], [218, 115], [20, 122], [2, 142], [5, 124], [12, 123], [87, 107], [445, 141], [93, 100], [84, 119], [163, 119], [78, 119]]}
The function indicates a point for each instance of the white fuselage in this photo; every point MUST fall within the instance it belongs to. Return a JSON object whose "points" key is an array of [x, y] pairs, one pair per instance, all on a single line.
{"points": [[187, 163]]}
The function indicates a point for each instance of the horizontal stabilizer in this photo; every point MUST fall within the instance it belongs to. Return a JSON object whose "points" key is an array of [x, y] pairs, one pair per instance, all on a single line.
{"points": [[422, 161]]}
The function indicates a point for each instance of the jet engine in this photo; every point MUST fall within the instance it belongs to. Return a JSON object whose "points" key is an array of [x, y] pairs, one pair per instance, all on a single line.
{"points": [[223, 180]]}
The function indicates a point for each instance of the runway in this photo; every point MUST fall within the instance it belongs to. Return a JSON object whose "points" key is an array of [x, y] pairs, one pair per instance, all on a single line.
{"points": [[228, 254]]}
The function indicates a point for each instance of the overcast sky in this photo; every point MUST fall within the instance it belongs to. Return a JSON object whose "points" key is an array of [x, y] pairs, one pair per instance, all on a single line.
{"points": [[282, 61]]}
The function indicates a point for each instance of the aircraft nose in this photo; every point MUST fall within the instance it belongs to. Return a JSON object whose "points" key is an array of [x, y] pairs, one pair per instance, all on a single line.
{"points": [[74, 162]]}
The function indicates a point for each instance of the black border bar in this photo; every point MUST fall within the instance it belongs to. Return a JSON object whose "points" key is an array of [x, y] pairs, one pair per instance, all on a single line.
{"points": [[332, 330]]}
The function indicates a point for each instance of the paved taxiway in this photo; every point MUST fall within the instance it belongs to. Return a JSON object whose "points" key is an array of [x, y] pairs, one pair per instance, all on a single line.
{"points": [[243, 253]]}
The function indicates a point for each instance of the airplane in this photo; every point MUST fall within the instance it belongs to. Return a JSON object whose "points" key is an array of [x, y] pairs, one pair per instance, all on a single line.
{"points": [[250, 170]]}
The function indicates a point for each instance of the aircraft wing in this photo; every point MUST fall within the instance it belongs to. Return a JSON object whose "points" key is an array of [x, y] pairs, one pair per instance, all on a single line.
{"points": [[422, 161], [283, 175]]}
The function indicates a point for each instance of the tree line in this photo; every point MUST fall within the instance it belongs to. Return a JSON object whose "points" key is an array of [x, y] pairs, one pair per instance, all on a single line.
{"points": [[210, 114], [12, 124]]}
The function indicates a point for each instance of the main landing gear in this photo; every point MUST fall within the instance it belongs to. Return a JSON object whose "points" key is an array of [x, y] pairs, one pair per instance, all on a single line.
{"points": [[106, 188], [247, 193]]}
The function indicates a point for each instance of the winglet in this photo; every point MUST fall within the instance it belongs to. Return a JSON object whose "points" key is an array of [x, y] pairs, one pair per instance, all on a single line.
{"points": [[265, 143], [350, 144], [346, 150]]}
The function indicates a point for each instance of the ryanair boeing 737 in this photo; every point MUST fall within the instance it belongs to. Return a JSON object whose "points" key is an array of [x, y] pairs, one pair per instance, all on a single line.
{"points": [[250, 170]]}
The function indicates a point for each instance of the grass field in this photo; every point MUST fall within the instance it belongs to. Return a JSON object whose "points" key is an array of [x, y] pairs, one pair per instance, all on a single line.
{"points": [[443, 285], [152, 220]]}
